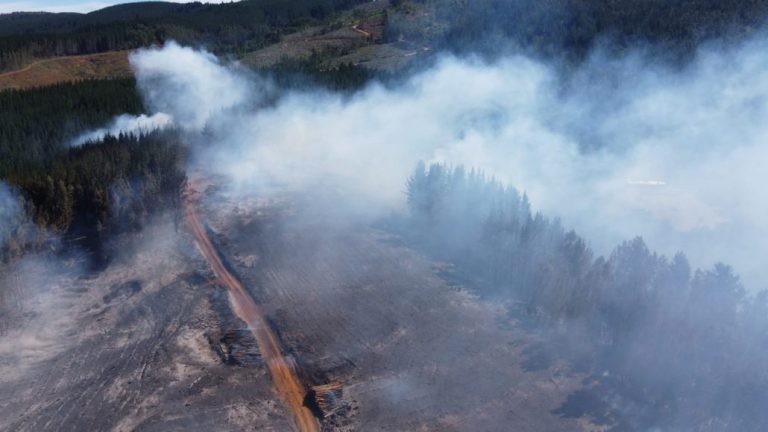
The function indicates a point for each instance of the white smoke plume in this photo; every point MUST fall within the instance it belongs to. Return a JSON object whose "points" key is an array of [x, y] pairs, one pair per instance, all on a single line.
{"points": [[126, 124], [181, 87], [188, 85], [620, 148]]}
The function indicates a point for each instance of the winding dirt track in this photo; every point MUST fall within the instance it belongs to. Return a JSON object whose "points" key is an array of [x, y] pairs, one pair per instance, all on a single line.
{"points": [[282, 370], [361, 31]]}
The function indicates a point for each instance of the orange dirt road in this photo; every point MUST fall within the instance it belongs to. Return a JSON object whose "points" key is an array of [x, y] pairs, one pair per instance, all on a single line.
{"points": [[283, 373], [361, 31]]}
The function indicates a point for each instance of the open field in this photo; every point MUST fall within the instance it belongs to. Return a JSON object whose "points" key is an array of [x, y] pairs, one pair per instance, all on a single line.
{"points": [[62, 69]]}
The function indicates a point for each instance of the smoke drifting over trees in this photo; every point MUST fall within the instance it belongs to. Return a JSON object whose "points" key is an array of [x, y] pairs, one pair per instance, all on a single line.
{"points": [[127, 124], [36, 125], [603, 197], [619, 148], [669, 348], [634, 147]]}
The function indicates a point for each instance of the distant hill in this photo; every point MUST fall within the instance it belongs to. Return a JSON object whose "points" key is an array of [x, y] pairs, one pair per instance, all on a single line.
{"points": [[198, 15], [395, 30], [543, 27], [35, 22], [25, 23], [230, 27]]}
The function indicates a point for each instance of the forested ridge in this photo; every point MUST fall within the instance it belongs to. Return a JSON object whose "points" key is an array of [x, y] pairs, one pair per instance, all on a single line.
{"points": [[667, 347], [559, 28], [222, 28]]}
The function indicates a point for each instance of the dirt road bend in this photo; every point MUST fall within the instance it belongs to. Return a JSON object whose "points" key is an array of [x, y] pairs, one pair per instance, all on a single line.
{"points": [[283, 373]]}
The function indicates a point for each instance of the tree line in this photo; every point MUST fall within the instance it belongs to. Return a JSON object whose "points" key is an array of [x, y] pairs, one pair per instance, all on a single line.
{"points": [[87, 192], [97, 190], [668, 347]]}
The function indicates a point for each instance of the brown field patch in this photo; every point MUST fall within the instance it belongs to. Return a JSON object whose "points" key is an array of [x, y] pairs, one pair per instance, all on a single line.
{"points": [[63, 69]]}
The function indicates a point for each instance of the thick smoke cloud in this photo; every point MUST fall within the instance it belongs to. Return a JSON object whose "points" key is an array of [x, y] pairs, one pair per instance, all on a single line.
{"points": [[188, 85], [182, 88], [617, 149]]}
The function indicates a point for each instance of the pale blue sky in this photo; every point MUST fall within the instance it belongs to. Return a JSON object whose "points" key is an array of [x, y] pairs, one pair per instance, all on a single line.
{"points": [[7, 6]]}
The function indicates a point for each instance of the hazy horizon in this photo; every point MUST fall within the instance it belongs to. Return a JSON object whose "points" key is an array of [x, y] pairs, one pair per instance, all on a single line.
{"points": [[78, 6]]}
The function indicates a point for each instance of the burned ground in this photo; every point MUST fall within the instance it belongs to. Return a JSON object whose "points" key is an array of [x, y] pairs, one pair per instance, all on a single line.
{"points": [[373, 327], [411, 351], [148, 344]]}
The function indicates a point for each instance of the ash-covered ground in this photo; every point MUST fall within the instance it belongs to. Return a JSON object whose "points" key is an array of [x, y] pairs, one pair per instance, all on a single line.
{"points": [[148, 344], [151, 342], [353, 306]]}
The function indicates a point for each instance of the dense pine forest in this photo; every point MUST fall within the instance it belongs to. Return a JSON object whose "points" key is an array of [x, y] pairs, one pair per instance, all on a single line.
{"points": [[624, 318], [96, 190], [91, 190], [36, 124]]}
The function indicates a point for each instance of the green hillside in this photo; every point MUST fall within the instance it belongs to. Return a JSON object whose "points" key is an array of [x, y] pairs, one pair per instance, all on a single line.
{"points": [[231, 27]]}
